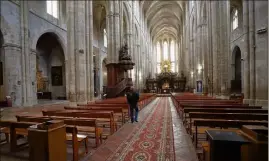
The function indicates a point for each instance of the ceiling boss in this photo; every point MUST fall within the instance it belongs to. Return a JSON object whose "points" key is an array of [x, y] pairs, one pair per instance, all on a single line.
{"points": [[166, 66]]}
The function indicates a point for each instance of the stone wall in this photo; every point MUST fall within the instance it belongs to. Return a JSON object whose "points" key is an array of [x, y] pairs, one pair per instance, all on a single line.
{"points": [[39, 22], [10, 27], [222, 40]]}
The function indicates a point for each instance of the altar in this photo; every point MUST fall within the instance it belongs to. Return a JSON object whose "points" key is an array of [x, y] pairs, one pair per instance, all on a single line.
{"points": [[166, 82], [166, 91]]}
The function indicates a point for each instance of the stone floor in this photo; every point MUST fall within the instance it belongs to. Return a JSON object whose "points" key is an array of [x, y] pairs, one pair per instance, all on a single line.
{"points": [[184, 148]]}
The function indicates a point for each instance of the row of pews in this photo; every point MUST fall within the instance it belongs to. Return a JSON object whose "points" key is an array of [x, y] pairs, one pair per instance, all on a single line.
{"points": [[95, 120], [206, 118]]}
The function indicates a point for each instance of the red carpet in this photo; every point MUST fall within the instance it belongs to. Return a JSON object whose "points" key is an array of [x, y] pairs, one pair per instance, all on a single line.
{"points": [[152, 140]]}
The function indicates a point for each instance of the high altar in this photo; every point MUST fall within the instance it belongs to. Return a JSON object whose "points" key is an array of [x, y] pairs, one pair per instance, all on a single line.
{"points": [[166, 81]]}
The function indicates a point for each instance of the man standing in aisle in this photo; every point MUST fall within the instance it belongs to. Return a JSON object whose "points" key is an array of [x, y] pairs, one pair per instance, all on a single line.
{"points": [[132, 99]]}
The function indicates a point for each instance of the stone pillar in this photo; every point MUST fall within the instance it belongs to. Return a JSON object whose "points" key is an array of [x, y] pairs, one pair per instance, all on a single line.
{"points": [[252, 73], [181, 56], [77, 52], [137, 66], [112, 59], [209, 47], [116, 30], [13, 75], [245, 55], [89, 50], [199, 52], [224, 14], [205, 58], [26, 79], [215, 47], [33, 76]]}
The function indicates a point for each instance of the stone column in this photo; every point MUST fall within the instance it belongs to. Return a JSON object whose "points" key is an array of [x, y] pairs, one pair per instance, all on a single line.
{"points": [[26, 79], [77, 52], [33, 76], [215, 48], [205, 58], [116, 30], [89, 50], [224, 12], [209, 47], [112, 58], [252, 73], [137, 66], [245, 55], [12, 76], [71, 49], [129, 42]]}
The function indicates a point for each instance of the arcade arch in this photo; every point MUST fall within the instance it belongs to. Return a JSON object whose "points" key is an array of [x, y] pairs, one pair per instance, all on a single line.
{"points": [[51, 70]]}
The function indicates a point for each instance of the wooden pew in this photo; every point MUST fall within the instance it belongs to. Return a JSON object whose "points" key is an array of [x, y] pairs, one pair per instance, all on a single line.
{"points": [[85, 126], [227, 116], [124, 108], [224, 110], [103, 117], [116, 111], [222, 123], [182, 114], [14, 128]]}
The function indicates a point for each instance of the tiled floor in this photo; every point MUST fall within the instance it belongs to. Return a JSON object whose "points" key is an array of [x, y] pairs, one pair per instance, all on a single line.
{"points": [[184, 148]]}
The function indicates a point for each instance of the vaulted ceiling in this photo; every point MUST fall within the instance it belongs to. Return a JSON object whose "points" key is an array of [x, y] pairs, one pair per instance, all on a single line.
{"points": [[164, 18]]}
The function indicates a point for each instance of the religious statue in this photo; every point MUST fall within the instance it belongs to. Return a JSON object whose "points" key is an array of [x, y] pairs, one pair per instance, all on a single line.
{"points": [[125, 60], [123, 54]]}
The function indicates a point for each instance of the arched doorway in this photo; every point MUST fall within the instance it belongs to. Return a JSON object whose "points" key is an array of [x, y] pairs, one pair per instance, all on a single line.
{"points": [[50, 64], [236, 84], [2, 90]]}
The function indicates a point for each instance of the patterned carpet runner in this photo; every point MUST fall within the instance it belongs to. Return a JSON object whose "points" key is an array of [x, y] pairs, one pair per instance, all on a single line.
{"points": [[152, 140]]}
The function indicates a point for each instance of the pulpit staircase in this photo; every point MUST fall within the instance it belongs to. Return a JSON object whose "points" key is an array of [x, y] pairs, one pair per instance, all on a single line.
{"points": [[118, 89]]}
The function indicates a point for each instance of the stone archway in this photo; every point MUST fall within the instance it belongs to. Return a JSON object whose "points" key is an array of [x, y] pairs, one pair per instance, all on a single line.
{"points": [[236, 84], [51, 70]]}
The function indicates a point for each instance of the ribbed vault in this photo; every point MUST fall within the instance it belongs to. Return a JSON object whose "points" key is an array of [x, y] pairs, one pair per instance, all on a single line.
{"points": [[164, 18]]}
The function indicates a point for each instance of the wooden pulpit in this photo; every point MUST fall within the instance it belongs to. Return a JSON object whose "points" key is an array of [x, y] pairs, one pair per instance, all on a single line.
{"points": [[47, 141]]}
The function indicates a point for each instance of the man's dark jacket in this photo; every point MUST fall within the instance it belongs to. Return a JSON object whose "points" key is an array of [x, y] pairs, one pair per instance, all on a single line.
{"points": [[132, 98]]}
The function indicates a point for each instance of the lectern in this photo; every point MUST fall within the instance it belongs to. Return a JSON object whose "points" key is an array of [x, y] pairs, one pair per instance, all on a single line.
{"points": [[47, 141]]}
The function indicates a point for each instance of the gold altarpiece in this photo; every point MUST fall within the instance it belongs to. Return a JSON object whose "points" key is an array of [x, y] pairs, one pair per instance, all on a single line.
{"points": [[166, 81], [41, 81]]}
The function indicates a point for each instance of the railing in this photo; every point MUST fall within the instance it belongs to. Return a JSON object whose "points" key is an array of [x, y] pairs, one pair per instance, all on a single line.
{"points": [[117, 89]]}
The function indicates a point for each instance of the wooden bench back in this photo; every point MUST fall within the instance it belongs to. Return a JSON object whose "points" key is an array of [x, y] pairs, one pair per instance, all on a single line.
{"points": [[15, 124], [227, 123], [225, 110], [228, 116], [105, 105], [68, 121], [81, 113], [114, 109], [221, 106]]}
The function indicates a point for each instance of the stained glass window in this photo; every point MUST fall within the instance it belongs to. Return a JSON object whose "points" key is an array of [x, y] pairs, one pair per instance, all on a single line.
{"points": [[105, 38], [158, 52], [165, 50], [235, 19], [158, 68], [172, 51]]}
